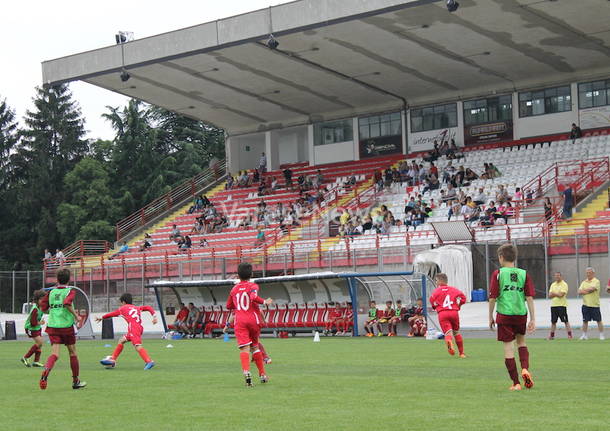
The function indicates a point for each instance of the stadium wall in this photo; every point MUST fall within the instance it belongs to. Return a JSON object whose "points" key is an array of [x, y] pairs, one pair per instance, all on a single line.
{"points": [[296, 144]]}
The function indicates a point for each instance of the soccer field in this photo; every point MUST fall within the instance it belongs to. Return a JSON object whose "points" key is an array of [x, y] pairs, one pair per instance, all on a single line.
{"points": [[337, 384]]}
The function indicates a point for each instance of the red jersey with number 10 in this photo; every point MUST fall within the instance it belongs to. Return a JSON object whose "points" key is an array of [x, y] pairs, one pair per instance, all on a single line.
{"points": [[244, 300], [447, 298]]}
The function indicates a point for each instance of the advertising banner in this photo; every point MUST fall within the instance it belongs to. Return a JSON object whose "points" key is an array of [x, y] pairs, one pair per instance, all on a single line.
{"points": [[478, 134], [382, 146], [424, 141], [593, 118]]}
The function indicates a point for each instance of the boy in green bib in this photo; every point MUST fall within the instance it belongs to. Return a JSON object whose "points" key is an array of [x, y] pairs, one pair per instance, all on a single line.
{"points": [[369, 324], [33, 329], [510, 290], [60, 327]]}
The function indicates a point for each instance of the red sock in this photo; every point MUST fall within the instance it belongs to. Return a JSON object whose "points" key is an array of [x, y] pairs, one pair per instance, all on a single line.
{"points": [[37, 354], [51, 362], [460, 343], [30, 352], [144, 355], [262, 349], [448, 338], [75, 367], [552, 334], [511, 366], [258, 360], [524, 357], [569, 333], [117, 351], [245, 361]]}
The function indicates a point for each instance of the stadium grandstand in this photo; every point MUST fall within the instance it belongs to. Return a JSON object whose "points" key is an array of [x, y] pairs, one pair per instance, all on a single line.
{"points": [[362, 134]]}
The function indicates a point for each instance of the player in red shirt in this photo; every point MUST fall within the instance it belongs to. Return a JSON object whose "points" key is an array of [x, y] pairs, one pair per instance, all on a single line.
{"points": [[132, 315], [447, 301], [334, 318], [229, 324], [244, 300]]}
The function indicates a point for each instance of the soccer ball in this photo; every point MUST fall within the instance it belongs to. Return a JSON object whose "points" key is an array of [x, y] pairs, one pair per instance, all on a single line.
{"points": [[108, 362]]}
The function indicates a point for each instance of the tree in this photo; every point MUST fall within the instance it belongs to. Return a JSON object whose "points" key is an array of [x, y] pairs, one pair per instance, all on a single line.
{"points": [[90, 207], [52, 143], [8, 140]]}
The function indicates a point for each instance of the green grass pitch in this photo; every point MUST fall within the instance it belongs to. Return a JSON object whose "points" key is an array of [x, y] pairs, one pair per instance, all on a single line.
{"points": [[337, 384]]}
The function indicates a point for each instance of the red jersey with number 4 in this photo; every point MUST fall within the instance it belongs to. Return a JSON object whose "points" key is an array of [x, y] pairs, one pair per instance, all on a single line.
{"points": [[132, 315], [447, 298], [244, 300]]}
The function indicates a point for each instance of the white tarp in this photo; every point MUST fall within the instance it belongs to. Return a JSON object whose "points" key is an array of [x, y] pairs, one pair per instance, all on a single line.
{"points": [[453, 260]]}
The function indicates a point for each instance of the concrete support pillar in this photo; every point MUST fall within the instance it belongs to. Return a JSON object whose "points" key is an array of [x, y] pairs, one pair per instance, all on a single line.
{"points": [[310, 146], [232, 155], [272, 151], [356, 133], [403, 122]]}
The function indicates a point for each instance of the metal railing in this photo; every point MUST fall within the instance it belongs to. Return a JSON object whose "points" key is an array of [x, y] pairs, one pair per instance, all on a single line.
{"points": [[170, 200]]}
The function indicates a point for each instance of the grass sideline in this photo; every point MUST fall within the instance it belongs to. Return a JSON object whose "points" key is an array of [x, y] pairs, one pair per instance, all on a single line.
{"points": [[337, 384]]}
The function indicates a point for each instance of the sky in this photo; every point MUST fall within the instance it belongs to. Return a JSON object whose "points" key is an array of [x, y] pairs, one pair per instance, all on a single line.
{"points": [[36, 30]]}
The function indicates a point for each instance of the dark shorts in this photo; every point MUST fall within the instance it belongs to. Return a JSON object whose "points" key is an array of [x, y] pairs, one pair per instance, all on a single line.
{"points": [[510, 326], [560, 313], [34, 334], [591, 314], [62, 335]]}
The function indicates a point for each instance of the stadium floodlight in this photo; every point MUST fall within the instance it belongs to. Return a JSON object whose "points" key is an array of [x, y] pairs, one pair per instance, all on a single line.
{"points": [[452, 5], [123, 37], [272, 42]]}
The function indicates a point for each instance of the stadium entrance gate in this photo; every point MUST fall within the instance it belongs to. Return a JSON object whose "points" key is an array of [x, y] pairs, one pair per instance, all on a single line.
{"points": [[354, 287]]}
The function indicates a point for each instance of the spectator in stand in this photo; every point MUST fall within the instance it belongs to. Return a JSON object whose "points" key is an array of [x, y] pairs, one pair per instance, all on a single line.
{"points": [[575, 133], [481, 198], [568, 202], [147, 243], [448, 172], [455, 208], [175, 233], [471, 175], [378, 177], [450, 194], [518, 196], [495, 172], [230, 183], [367, 224], [469, 211], [260, 238], [288, 177], [60, 257], [124, 249], [320, 177], [487, 219], [548, 211], [344, 219], [198, 226], [203, 242], [502, 195], [47, 255], [181, 317], [262, 163], [185, 244]]}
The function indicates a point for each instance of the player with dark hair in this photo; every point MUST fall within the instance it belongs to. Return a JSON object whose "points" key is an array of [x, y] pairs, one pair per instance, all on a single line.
{"points": [[447, 301], [60, 327], [399, 312], [133, 316], [244, 300], [510, 290], [372, 320], [417, 321], [33, 329]]}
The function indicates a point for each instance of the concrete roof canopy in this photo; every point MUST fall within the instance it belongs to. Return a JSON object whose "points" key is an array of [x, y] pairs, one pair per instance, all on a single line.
{"points": [[342, 58]]}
